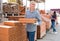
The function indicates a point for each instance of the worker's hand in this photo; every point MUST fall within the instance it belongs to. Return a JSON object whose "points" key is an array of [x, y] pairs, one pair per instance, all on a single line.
{"points": [[36, 23]]}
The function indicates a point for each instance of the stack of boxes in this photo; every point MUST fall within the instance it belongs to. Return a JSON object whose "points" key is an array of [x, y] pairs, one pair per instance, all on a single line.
{"points": [[6, 8], [16, 18], [18, 30], [10, 7], [47, 20], [13, 8], [14, 31], [48, 24], [41, 30]]}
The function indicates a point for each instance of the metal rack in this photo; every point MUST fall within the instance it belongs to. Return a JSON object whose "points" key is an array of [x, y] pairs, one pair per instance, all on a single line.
{"points": [[1, 11]]}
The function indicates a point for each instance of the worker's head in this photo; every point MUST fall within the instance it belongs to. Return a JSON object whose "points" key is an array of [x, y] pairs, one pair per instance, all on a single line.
{"points": [[54, 13], [32, 4]]}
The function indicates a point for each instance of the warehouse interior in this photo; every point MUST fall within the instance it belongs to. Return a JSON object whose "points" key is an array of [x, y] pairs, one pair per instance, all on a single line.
{"points": [[13, 21]]}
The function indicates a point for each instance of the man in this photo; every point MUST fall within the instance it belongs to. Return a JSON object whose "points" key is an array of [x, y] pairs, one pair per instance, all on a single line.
{"points": [[31, 28]]}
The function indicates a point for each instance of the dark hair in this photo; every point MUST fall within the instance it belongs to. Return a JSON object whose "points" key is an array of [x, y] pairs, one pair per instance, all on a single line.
{"points": [[47, 13], [54, 13]]}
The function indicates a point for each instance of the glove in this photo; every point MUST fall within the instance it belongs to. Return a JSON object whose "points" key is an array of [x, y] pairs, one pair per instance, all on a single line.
{"points": [[36, 23]]}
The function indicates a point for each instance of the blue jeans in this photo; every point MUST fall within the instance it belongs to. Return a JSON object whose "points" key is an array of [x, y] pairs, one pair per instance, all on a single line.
{"points": [[53, 26], [31, 36]]}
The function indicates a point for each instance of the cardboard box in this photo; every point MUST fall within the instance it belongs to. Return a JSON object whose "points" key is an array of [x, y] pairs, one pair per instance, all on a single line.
{"points": [[12, 34], [47, 20], [48, 25], [22, 10], [16, 18], [42, 12], [7, 33], [27, 20], [4, 38], [11, 23]]}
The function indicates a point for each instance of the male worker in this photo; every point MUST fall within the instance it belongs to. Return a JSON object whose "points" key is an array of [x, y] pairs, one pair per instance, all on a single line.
{"points": [[31, 28]]}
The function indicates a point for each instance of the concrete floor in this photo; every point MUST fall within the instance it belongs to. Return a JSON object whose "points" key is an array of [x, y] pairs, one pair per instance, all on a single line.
{"points": [[51, 36]]}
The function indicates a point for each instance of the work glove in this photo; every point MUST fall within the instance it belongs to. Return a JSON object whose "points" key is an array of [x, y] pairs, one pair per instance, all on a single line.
{"points": [[36, 23]]}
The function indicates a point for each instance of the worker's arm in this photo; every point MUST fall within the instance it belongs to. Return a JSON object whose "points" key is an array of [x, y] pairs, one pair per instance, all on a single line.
{"points": [[38, 17]]}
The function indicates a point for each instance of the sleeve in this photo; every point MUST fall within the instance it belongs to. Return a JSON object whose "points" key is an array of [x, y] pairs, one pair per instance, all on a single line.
{"points": [[26, 14], [38, 17]]}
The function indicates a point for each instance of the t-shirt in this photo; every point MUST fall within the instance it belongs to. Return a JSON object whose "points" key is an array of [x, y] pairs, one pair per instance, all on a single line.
{"points": [[53, 16]]}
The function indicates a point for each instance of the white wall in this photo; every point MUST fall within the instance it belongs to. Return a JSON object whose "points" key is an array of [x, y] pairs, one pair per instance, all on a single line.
{"points": [[4, 1], [40, 5], [50, 4]]}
